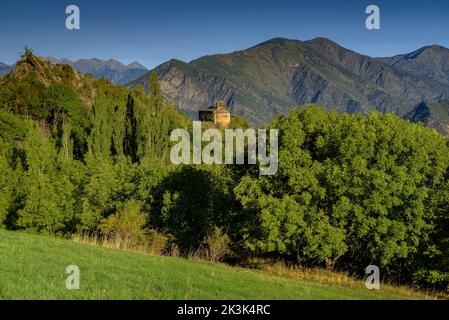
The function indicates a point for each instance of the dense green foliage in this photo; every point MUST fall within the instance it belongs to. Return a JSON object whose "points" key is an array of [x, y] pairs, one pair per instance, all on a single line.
{"points": [[351, 191], [79, 155], [68, 164]]}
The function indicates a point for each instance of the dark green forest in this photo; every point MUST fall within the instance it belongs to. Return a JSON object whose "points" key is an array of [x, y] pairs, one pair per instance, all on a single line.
{"points": [[83, 156]]}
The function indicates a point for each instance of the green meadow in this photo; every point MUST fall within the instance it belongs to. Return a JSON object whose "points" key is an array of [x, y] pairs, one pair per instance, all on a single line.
{"points": [[33, 267]]}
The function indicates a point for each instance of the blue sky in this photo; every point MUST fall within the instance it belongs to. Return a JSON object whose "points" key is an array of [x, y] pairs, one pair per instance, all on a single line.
{"points": [[153, 32]]}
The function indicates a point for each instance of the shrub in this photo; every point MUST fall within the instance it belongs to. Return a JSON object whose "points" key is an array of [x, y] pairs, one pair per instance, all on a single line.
{"points": [[127, 224], [157, 241], [217, 245], [173, 250], [431, 279]]}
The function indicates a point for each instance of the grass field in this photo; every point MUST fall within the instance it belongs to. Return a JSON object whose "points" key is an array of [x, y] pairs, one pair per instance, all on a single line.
{"points": [[33, 267]]}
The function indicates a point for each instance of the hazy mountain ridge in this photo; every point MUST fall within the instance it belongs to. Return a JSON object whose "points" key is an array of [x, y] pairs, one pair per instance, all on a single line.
{"points": [[4, 68], [110, 69], [269, 78]]}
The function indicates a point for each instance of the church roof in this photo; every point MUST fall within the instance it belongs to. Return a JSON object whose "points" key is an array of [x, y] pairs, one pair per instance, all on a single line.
{"points": [[219, 107], [222, 110]]}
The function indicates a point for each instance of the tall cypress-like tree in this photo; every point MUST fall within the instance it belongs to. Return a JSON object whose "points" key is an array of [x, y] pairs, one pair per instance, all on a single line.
{"points": [[130, 138], [160, 126]]}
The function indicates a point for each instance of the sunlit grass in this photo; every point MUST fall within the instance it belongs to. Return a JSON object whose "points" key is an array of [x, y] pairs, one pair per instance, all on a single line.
{"points": [[33, 267]]}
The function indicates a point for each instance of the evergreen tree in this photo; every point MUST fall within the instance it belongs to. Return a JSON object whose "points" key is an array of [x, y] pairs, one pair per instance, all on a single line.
{"points": [[130, 139]]}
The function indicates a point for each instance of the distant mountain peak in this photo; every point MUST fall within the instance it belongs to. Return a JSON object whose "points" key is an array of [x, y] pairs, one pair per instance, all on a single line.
{"points": [[431, 49], [317, 40], [136, 65], [115, 64], [275, 41], [278, 39], [323, 40], [328, 46], [111, 69], [430, 62]]}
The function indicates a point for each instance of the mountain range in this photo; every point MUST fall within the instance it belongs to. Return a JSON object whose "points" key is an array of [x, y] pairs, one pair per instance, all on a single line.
{"points": [[268, 79], [110, 69]]}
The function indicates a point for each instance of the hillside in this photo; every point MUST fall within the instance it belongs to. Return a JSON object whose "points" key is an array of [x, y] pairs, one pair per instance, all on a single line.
{"points": [[58, 97], [434, 114], [33, 267], [269, 78]]}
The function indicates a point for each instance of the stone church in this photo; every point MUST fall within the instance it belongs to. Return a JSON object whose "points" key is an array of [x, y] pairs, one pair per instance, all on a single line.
{"points": [[219, 114]]}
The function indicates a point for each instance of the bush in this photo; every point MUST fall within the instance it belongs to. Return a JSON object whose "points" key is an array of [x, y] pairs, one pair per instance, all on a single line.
{"points": [[431, 279], [157, 242], [127, 225], [217, 245]]}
